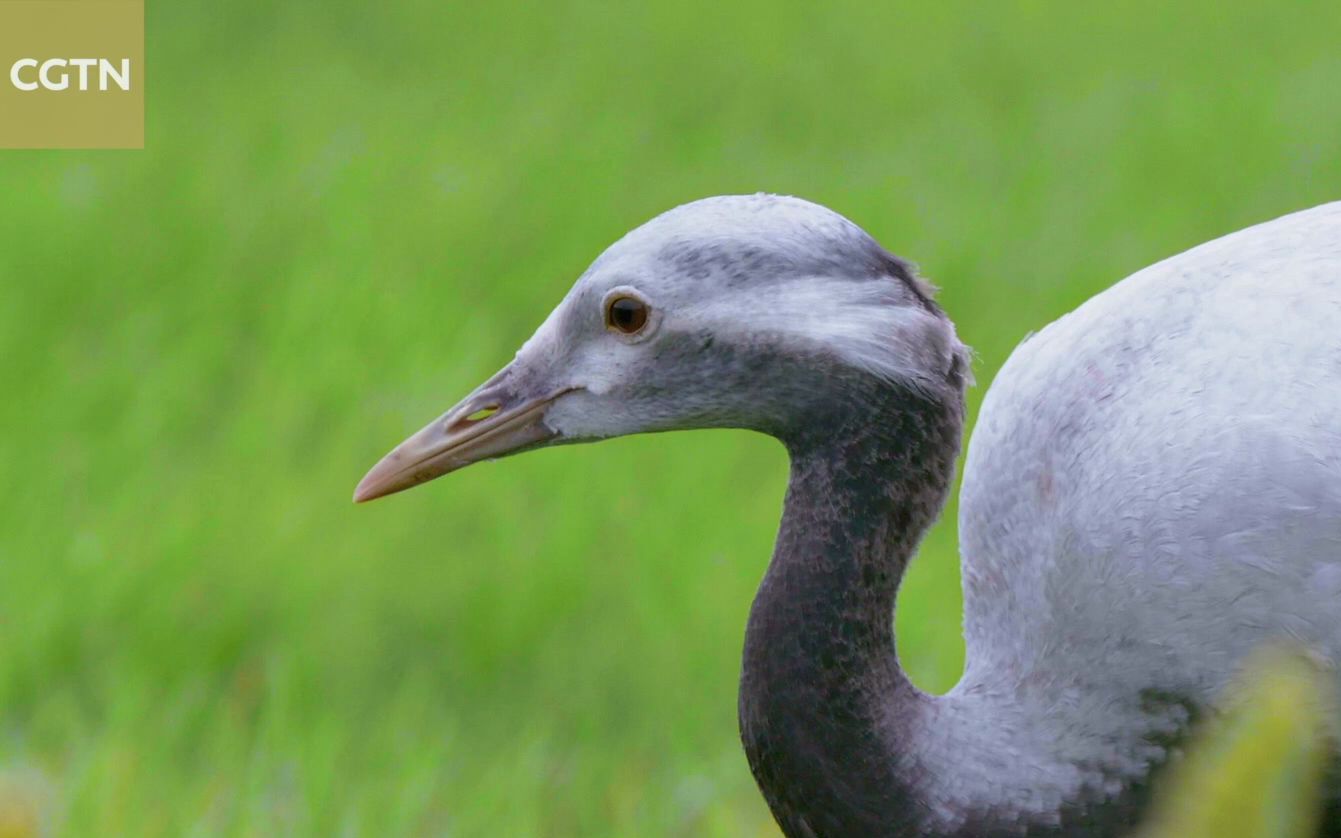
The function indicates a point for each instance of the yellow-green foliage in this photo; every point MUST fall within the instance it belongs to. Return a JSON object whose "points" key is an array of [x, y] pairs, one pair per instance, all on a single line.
{"points": [[1257, 771], [24, 804]]}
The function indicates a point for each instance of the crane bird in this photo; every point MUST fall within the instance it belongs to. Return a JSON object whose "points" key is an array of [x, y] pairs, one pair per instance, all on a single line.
{"points": [[1153, 489]]}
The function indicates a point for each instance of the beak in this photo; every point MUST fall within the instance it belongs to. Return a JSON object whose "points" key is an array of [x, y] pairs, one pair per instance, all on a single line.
{"points": [[491, 422]]}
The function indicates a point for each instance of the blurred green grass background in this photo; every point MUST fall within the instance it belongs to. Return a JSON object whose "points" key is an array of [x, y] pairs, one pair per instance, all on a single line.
{"points": [[348, 215]]}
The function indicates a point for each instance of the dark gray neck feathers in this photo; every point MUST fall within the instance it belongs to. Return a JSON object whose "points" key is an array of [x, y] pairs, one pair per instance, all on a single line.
{"points": [[822, 696], [827, 715]]}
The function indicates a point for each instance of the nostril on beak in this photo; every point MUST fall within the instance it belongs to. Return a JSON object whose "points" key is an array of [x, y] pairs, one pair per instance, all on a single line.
{"points": [[478, 416]]}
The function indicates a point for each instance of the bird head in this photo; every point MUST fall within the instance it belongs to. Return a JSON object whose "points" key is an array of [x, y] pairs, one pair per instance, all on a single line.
{"points": [[760, 312]]}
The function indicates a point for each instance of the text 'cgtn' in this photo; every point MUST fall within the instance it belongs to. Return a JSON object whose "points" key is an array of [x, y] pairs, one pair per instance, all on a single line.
{"points": [[82, 74]]}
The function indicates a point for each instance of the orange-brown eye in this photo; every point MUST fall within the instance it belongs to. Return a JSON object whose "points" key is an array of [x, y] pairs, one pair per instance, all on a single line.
{"points": [[626, 314]]}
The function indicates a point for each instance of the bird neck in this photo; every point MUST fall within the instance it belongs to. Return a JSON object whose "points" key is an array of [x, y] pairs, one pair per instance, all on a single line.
{"points": [[823, 699], [840, 741]]}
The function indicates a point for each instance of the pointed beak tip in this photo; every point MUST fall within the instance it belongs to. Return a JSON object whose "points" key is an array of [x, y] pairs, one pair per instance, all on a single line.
{"points": [[380, 480], [364, 492]]}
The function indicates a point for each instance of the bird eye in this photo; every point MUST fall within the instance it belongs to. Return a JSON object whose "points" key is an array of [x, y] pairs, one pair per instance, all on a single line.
{"points": [[626, 314]]}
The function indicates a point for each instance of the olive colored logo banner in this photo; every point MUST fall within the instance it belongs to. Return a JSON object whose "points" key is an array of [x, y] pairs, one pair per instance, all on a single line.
{"points": [[71, 74]]}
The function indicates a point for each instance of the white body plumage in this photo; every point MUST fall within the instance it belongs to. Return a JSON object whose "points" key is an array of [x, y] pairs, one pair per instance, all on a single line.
{"points": [[1152, 490]]}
